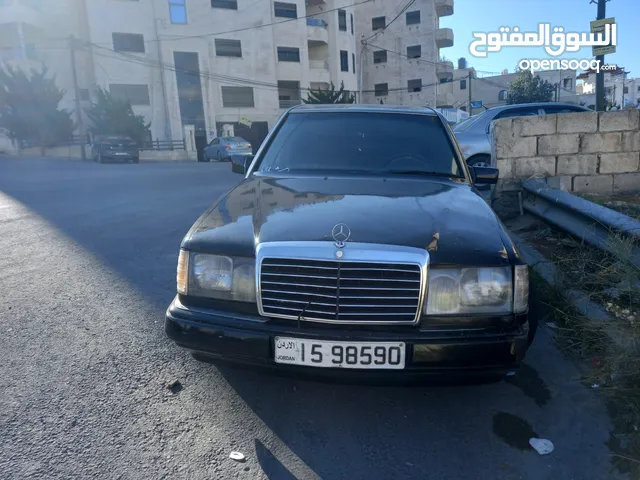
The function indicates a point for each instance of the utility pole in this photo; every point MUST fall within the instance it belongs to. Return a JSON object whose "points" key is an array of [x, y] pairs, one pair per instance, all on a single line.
{"points": [[602, 14], [76, 90], [167, 122], [363, 53], [469, 88]]}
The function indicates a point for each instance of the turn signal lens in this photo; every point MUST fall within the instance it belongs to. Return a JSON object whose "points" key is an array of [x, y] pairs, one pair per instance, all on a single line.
{"points": [[183, 272], [521, 290]]}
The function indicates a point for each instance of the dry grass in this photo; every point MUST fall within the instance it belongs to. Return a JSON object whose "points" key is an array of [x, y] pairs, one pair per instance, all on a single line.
{"points": [[613, 281]]}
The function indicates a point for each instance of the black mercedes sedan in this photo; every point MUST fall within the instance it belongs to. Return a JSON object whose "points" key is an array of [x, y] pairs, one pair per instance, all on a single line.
{"points": [[355, 246]]}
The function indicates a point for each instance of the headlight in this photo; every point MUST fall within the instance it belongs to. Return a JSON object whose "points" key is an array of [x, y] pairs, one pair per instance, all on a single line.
{"points": [[217, 276], [470, 290]]}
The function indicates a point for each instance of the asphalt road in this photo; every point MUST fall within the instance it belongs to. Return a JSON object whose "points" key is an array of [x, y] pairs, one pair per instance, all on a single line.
{"points": [[87, 269]]}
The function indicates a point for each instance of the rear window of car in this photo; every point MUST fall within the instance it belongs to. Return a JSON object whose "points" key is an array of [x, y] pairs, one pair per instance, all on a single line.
{"points": [[465, 124], [361, 142]]}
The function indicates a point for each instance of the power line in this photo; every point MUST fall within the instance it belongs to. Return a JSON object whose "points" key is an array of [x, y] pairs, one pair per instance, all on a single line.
{"points": [[382, 30]]}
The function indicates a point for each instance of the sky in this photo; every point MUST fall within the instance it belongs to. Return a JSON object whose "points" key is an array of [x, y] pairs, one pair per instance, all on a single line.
{"points": [[574, 15]]}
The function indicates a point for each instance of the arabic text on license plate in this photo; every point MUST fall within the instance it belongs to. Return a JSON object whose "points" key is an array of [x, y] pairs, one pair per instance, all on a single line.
{"points": [[320, 353]]}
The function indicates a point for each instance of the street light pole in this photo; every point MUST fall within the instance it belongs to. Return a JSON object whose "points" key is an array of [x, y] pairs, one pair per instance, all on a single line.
{"points": [[363, 52]]}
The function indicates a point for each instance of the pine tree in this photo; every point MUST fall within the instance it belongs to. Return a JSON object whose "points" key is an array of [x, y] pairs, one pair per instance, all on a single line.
{"points": [[330, 95], [29, 107], [113, 116]]}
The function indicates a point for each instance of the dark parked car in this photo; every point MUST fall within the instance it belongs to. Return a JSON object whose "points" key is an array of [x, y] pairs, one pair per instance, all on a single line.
{"points": [[343, 252], [115, 148]]}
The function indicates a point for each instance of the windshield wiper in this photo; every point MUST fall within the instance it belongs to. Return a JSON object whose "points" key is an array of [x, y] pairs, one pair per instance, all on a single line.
{"points": [[421, 172]]}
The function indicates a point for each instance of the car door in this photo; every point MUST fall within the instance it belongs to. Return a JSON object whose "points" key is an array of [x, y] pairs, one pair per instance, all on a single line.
{"points": [[211, 150]]}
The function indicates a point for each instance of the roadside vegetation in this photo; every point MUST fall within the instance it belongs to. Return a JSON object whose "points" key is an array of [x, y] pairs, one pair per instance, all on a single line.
{"points": [[611, 281]]}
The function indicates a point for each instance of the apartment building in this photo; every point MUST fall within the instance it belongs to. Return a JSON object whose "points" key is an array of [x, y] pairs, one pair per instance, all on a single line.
{"points": [[619, 89], [211, 64], [400, 51]]}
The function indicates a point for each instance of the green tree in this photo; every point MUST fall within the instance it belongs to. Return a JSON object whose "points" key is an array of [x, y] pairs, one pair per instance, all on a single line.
{"points": [[330, 95], [527, 88], [29, 107], [113, 116]]}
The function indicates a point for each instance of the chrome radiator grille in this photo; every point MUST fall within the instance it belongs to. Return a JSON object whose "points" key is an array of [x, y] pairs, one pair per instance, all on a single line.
{"points": [[340, 291]]}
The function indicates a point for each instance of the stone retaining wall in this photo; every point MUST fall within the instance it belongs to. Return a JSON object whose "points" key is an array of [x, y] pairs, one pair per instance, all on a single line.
{"points": [[579, 152]]}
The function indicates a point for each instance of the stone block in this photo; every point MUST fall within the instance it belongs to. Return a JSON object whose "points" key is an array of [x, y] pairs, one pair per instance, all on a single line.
{"points": [[561, 182], [626, 182], [505, 166], [577, 164], [601, 142], [506, 143], [619, 162], [558, 144], [593, 184], [536, 125], [583, 122], [631, 141], [619, 120], [540, 166]]}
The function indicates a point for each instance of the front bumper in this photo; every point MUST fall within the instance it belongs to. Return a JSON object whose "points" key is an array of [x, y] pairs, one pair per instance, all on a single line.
{"points": [[249, 340]]}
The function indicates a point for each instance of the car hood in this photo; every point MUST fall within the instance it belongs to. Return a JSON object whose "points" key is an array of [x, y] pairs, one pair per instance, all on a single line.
{"points": [[447, 217]]}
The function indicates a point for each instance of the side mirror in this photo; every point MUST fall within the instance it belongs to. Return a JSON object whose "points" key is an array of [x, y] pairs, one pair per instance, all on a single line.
{"points": [[485, 175], [241, 163], [488, 128]]}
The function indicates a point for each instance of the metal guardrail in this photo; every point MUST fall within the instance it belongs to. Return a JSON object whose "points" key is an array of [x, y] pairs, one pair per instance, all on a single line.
{"points": [[164, 145], [581, 218]]}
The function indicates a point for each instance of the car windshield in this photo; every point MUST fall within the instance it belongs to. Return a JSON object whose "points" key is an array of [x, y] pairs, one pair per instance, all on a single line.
{"points": [[362, 142], [462, 126]]}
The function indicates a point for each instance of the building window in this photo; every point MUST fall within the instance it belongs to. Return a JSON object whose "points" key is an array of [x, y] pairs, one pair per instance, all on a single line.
{"points": [[178, 11], [353, 62], [380, 56], [414, 85], [230, 4], [639, 89], [381, 89], [502, 95], [463, 84], [237, 97], [228, 48], [342, 20], [413, 18], [288, 10], [414, 51], [128, 42], [134, 94], [351, 16], [378, 22], [288, 54], [625, 90], [344, 61], [567, 83]]}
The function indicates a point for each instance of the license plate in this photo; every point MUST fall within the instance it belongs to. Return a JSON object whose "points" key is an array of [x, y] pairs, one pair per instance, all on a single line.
{"points": [[121, 153], [320, 353]]}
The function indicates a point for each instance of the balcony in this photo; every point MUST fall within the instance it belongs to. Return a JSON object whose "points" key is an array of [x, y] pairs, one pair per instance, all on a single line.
{"points": [[444, 8], [317, 33], [445, 100], [319, 71], [444, 37], [444, 70], [21, 12]]}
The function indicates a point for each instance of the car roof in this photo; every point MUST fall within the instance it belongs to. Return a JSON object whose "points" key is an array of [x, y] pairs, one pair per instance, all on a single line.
{"points": [[536, 104], [360, 108]]}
